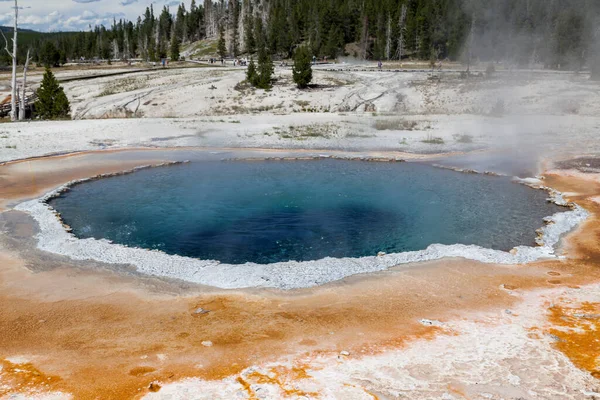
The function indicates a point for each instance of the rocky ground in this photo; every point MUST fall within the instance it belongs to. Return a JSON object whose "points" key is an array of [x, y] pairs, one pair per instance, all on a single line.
{"points": [[410, 112]]}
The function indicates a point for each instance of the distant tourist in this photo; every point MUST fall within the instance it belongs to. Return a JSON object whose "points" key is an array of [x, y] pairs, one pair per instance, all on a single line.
{"points": [[380, 65]]}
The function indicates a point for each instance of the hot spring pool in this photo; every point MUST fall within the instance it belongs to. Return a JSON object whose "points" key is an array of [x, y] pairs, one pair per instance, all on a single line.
{"points": [[272, 211]]}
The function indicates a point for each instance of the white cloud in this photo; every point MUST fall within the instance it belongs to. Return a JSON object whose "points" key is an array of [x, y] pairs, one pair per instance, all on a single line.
{"points": [[54, 15], [87, 14], [6, 19]]}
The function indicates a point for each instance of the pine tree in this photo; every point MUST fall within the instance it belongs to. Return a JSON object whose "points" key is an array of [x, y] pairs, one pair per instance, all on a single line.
{"points": [[235, 43], [259, 34], [553, 32], [265, 69], [180, 25], [251, 73], [49, 56], [52, 103], [174, 50], [221, 47], [249, 35], [335, 42], [302, 70]]}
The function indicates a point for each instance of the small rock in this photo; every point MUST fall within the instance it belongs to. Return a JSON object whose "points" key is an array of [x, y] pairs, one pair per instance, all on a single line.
{"points": [[200, 311], [381, 254], [514, 380], [588, 393], [508, 312], [154, 386], [344, 353], [207, 343], [586, 316], [555, 338], [429, 322]]}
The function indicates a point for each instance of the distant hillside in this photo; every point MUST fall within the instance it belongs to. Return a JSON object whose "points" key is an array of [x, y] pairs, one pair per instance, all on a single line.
{"points": [[29, 39], [9, 29]]}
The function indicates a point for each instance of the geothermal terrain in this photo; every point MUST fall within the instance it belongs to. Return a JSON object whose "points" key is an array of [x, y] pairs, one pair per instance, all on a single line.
{"points": [[354, 107], [445, 329]]}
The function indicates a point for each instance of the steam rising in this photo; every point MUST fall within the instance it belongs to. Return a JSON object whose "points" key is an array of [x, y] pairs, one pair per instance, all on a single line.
{"points": [[534, 33]]}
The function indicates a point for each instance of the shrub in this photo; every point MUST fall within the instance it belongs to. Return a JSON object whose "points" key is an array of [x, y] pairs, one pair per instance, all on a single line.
{"points": [[302, 70], [396, 124], [52, 103], [433, 140]]}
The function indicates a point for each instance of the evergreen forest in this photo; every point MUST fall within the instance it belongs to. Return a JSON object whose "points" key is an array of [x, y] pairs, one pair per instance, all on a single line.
{"points": [[560, 34]]}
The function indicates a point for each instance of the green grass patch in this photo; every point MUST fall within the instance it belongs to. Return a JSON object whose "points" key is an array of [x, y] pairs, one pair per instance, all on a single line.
{"points": [[433, 140], [396, 124]]}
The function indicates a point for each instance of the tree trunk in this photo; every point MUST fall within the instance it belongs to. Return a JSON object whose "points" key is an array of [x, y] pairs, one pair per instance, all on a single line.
{"points": [[402, 28], [364, 39], [388, 39], [470, 52], [23, 104], [13, 100]]}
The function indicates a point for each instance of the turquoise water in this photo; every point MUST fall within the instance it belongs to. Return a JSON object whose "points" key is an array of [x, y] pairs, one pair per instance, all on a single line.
{"points": [[272, 211]]}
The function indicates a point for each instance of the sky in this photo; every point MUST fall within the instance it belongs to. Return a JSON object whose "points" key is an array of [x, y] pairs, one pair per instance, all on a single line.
{"points": [[74, 15]]}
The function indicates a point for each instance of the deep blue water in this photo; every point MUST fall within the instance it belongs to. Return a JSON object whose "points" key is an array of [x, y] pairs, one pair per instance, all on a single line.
{"points": [[271, 211]]}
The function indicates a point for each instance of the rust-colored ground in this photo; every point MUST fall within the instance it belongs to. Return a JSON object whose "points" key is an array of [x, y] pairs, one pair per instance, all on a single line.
{"points": [[98, 334], [577, 328]]}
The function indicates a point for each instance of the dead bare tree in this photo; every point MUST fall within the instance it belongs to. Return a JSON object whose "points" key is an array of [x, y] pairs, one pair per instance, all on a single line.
{"points": [[364, 38], [388, 40], [470, 51], [126, 52], [115, 50], [13, 55], [402, 26], [23, 104]]}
